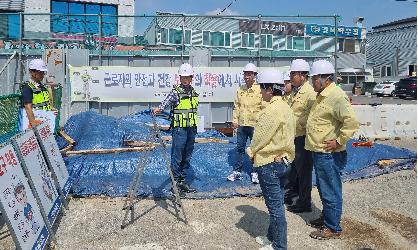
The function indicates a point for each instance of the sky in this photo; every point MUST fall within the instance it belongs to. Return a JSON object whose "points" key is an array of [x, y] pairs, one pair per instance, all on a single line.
{"points": [[374, 12]]}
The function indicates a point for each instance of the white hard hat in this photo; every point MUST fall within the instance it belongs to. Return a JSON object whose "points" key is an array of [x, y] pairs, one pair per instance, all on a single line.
{"points": [[300, 65], [286, 76], [38, 64], [186, 70], [322, 67], [250, 68], [270, 76]]}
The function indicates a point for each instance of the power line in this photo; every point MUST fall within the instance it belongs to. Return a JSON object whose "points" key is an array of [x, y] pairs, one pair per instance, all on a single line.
{"points": [[229, 5], [224, 9]]}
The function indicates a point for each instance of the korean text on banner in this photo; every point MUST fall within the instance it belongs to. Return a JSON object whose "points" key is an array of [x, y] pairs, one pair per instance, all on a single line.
{"points": [[151, 84]]}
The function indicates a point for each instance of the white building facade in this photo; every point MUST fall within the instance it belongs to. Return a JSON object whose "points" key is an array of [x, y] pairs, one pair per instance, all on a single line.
{"points": [[45, 26], [392, 49]]}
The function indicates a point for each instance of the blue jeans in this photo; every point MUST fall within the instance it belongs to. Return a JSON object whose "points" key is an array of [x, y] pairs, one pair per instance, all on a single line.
{"points": [[272, 178], [243, 134], [328, 168], [181, 151]]}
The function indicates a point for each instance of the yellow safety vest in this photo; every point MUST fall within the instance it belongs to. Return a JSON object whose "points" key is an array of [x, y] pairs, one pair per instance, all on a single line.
{"points": [[40, 97], [185, 113]]}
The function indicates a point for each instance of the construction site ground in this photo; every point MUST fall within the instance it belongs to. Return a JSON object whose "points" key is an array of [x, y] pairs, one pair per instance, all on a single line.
{"points": [[379, 213]]}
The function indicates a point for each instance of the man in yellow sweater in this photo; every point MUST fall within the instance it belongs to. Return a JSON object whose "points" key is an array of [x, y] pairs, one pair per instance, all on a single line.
{"points": [[247, 105], [331, 123], [287, 97], [300, 176], [271, 150]]}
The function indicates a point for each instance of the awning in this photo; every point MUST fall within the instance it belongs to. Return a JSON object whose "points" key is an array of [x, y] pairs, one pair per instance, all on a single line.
{"points": [[351, 70]]}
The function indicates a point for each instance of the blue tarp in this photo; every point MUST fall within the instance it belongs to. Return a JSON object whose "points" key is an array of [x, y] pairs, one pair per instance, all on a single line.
{"points": [[111, 174]]}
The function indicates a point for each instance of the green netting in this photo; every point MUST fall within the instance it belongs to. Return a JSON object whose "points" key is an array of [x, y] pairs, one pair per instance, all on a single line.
{"points": [[9, 116], [57, 95]]}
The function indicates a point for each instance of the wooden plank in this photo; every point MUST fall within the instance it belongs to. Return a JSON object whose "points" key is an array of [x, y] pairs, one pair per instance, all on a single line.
{"points": [[66, 137], [67, 148], [200, 140], [108, 151], [209, 140], [140, 143], [161, 126]]}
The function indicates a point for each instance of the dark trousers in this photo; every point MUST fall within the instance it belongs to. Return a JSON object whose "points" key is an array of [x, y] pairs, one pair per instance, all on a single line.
{"points": [[243, 134], [300, 175], [181, 151]]}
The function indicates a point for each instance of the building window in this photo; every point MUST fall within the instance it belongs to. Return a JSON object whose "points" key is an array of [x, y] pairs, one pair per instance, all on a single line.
{"points": [[298, 43], [386, 71], [164, 35], [307, 43], [266, 42], [175, 36], [247, 40], [9, 26], [188, 37], [77, 22], [348, 45], [216, 39], [412, 70], [227, 39]]}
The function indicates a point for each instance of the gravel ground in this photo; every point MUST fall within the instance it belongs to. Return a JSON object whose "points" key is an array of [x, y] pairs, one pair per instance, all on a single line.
{"points": [[403, 142], [379, 213]]}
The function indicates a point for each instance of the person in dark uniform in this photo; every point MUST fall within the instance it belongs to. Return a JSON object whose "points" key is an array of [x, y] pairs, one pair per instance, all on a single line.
{"points": [[35, 95]]}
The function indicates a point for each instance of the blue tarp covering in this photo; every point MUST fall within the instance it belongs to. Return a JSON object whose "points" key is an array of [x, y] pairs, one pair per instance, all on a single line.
{"points": [[111, 174]]}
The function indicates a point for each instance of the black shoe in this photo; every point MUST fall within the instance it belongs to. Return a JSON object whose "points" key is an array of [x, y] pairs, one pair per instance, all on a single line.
{"points": [[184, 187], [182, 194], [289, 197], [288, 200], [316, 223], [298, 209]]}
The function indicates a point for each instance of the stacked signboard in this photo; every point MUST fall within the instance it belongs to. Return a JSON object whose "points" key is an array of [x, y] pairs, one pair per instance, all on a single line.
{"points": [[34, 185]]}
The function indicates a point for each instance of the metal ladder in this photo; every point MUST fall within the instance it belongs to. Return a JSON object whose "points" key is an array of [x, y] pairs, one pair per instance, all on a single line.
{"points": [[140, 168]]}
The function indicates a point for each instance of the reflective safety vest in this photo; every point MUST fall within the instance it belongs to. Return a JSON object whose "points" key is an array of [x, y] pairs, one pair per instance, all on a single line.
{"points": [[185, 113], [40, 97]]}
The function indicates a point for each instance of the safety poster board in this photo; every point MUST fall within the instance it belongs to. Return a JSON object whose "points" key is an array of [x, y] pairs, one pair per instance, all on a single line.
{"points": [[53, 156], [37, 169], [18, 203], [43, 115]]}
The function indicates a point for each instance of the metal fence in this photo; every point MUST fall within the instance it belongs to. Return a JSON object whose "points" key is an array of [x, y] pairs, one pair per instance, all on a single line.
{"points": [[163, 40]]}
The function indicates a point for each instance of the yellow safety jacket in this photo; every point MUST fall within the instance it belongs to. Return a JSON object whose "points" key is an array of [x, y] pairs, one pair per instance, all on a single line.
{"points": [[185, 113], [40, 97]]}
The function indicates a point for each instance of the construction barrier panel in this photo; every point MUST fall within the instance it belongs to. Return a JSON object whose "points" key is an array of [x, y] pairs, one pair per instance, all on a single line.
{"points": [[386, 121]]}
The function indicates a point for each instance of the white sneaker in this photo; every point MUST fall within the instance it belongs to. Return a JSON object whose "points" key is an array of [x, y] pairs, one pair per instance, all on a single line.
{"points": [[266, 247], [235, 175], [262, 240], [254, 178]]}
